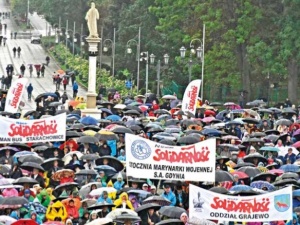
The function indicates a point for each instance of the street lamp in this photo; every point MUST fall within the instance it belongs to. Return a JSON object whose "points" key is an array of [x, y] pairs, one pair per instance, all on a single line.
{"points": [[73, 39], [111, 43], [158, 67]]}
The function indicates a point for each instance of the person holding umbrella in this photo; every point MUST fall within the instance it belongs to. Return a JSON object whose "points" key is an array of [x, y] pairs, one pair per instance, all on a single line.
{"points": [[7, 157], [35, 175], [104, 198], [153, 218], [168, 194]]}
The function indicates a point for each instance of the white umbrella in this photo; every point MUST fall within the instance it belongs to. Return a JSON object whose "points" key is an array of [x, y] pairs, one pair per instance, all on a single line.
{"points": [[88, 201], [117, 212], [99, 191], [68, 157], [171, 97], [197, 221], [284, 150], [84, 190], [119, 106], [100, 221], [7, 220]]}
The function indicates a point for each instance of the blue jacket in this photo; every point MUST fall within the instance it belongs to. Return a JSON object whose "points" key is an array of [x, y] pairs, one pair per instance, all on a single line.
{"points": [[75, 86], [290, 222], [170, 196], [29, 88], [107, 200], [119, 185]]}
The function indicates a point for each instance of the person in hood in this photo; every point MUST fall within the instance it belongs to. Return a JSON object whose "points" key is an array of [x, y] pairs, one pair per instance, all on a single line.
{"points": [[92, 216], [34, 217], [168, 194], [184, 218], [294, 221], [69, 222], [28, 195], [14, 215], [104, 198], [49, 191], [123, 202], [10, 192], [134, 201], [56, 212], [112, 195], [44, 198], [84, 218], [72, 210], [118, 185]]}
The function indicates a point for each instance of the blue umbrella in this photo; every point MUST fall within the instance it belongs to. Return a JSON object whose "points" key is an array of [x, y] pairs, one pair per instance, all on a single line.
{"points": [[211, 132], [73, 115], [88, 120], [106, 110], [221, 115], [241, 187], [24, 153], [269, 148], [290, 168], [163, 117], [113, 118], [128, 101], [36, 206], [108, 170], [263, 184], [142, 193]]}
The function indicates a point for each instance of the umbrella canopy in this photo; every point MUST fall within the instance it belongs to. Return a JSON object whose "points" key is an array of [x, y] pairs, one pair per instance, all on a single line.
{"points": [[48, 163], [220, 190], [157, 200], [7, 220], [255, 156], [121, 130], [108, 170], [25, 180], [113, 214], [49, 153], [263, 185], [111, 161], [106, 111], [87, 139], [99, 191], [240, 187], [45, 95], [36, 206], [283, 122], [20, 146], [171, 222], [31, 158], [57, 176], [72, 134], [172, 211], [67, 186], [290, 168], [264, 177], [170, 97], [105, 135], [85, 190], [127, 218], [148, 206], [188, 140], [25, 222], [222, 176], [90, 157], [250, 171], [113, 118], [269, 149], [88, 120], [14, 201], [30, 166], [100, 205], [4, 170], [289, 175], [12, 150], [88, 201], [240, 174], [87, 172], [100, 221], [240, 165]]}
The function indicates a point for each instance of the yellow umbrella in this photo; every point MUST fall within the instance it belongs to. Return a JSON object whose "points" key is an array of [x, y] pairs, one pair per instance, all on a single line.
{"points": [[89, 132], [105, 132], [81, 106]]}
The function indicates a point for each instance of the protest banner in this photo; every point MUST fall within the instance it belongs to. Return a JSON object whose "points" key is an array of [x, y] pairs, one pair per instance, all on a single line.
{"points": [[189, 101], [149, 159], [270, 206], [41, 130], [14, 95]]}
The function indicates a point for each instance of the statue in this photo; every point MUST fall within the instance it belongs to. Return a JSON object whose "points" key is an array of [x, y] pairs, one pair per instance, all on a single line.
{"points": [[91, 17]]}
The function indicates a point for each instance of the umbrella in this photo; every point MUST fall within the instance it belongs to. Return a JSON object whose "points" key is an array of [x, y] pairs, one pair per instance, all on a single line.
{"points": [[49, 153], [135, 128], [258, 134], [285, 182], [170, 97], [222, 176], [240, 165], [61, 111], [250, 158], [108, 170], [72, 134], [127, 218], [100, 221], [106, 111], [36, 206], [113, 118], [85, 190], [255, 140], [14, 201], [90, 157], [241, 174], [4, 170], [290, 168], [240, 187], [211, 132], [113, 214], [171, 221], [92, 127], [173, 212], [88, 201], [112, 161], [99, 191], [100, 205], [87, 172], [141, 193], [157, 200], [68, 186], [25, 222], [250, 121], [88, 120], [250, 171], [89, 133], [40, 148], [148, 206], [58, 175], [263, 177], [132, 111], [12, 150], [30, 166], [262, 184], [119, 106], [277, 172], [87, 139], [289, 175], [7, 220], [121, 130], [25, 180], [31, 158], [220, 190], [283, 122], [45, 95], [54, 104], [188, 140], [105, 135], [164, 135], [269, 148], [167, 142], [20, 146]]}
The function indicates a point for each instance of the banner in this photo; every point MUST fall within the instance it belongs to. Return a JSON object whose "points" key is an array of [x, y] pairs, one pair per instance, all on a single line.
{"points": [[189, 101], [272, 206], [149, 159], [14, 95], [42, 130]]}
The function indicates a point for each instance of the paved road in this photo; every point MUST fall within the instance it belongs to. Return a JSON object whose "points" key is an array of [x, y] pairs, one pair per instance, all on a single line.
{"points": [[40, 24], [30, 54]]}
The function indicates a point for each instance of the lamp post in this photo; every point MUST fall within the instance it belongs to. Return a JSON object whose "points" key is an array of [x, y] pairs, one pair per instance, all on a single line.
{"points": [[73, 37], [158, 67], [67, 23], [112, 44], [145, 58], [199, 51], [28, 3]]}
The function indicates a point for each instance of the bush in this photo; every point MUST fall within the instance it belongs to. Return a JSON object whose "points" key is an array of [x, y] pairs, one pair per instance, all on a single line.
{"points": [[76, 63]]}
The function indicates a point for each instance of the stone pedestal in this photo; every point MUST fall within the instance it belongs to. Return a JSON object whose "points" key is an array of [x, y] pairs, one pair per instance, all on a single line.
{"points": [[91, 109]]}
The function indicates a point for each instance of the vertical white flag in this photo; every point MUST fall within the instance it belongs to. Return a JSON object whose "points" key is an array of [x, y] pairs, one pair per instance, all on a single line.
{"points": [[14, 95], [189, 101]]}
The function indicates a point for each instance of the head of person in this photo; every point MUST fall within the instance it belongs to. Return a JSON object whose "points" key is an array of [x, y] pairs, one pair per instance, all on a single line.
{"points": [[184, 217], [167, 188], [153, 189], [35, 171]]}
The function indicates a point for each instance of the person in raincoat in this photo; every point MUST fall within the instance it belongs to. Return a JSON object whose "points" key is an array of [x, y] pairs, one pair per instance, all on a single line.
{"points": [[123, 202], [84, 218], [10, 192], [49, 191], [34, 217], [118, 185], [72, 211], [56, 212], [294, 221], [102, 178], [104, 198], [111, 195], [28, 196], [92, 216], [44, 198]]}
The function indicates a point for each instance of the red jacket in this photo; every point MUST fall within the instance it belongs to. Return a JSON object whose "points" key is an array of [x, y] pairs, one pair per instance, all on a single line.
{"points": [[72, 211], [65, 81]]}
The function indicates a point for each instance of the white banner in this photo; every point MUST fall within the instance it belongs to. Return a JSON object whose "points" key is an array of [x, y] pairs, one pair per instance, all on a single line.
{"points": [[42, 130], [272, 206], [149, 159], [14, 95], [189, 101]]}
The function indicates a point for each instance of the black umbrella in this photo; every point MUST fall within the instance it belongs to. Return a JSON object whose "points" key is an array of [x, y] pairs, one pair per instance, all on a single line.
{"points": [[14, 201], [49, 153], [67, 186], [220, 190], [251, 121], [274, 132], [161, 112], [125, 189], [77, 127], [167, 142], [72, 134], [137, 180], [29, 113], [285, 182], [188, 140], [122, 130], [20, 146], [90, 157], [284, 122], [100, 205], [222, 176], [25, 180], [87, 172], [244, 193], [172, 211], [155, 129], [240, 165], [135, 128], [108, 170], [171, 222], [3, 113], [251, 140], [106, 137], [127, 217], [290, 175], [132, 111], [157, 200], [132, 107], [148, 206], [263, 176], [48, 164], [250, 171], [61, 111], [265, 111], [92, 127], [54, 104], [4, 170], [40, 148], [87, 139], [12, 150], [112, 161], [251, 158], [271, 137], [30, 166], [257, 134], [31, 158]]}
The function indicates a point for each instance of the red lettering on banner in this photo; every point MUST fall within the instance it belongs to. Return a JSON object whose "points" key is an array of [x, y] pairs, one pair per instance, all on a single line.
{"points": [[36, 129], [193, 97], [184, 156], [17, 95], [250, 206]]}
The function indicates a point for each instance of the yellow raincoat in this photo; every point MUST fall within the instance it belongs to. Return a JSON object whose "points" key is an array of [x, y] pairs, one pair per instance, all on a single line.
{"points": [[55, 210], [119, 202]]}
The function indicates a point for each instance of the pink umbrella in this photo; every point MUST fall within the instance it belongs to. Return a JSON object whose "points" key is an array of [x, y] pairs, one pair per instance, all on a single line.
{"points": [[296, 145], [111, 126], [278, 172], [143, 108], [208, 119], [10, 192]]}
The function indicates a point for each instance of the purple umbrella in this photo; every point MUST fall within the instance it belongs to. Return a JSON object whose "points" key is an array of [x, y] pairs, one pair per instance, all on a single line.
{"points": [[297, 132]]}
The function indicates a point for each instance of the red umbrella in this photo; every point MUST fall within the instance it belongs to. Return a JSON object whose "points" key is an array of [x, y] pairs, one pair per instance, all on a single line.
{"points": [[53, 223], [278, 172], [209, 113], [38, 67], [25, 222], [68, 143], [143, 108], [296, 145], [241, 174]]}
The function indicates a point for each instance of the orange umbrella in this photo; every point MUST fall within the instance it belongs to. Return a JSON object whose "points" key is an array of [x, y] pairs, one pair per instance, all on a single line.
{"points": [[74, 103], [57, 176], [61, 72]]}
